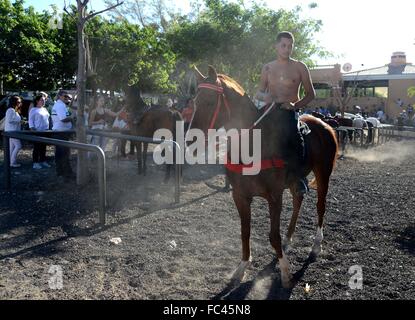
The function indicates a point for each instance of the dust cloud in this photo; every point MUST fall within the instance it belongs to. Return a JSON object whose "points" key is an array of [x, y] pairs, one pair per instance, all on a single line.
{"points": [[392, 151]]}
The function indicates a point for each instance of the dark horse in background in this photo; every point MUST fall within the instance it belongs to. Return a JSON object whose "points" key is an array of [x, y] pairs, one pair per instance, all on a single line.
{"points": [[221, 98], [144, 120]]}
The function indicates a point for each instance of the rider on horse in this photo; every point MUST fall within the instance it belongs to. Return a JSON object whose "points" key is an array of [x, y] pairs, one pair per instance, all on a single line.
{"points": [[279, 88]]}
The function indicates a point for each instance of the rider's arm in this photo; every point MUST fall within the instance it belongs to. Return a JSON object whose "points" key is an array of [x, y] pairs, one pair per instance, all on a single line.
{"points": [[262, 94], [308, 87]]}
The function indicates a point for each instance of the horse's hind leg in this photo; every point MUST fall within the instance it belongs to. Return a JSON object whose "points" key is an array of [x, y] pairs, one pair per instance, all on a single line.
{"points": [[297, 201], [243, 205], [322, 188]]}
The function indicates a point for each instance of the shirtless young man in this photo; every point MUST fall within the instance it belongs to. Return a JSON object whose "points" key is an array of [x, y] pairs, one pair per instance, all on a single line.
{"points": [[280, 83]]}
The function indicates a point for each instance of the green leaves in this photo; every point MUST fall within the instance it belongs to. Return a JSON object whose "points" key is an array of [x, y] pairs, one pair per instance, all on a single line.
{"points": [[239, 40], [411, 92], [236, 39], [129, 54], [27, 50]]}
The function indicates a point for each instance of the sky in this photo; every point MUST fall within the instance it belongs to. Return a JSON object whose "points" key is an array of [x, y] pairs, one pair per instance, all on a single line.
{"points": [[363, 33]]}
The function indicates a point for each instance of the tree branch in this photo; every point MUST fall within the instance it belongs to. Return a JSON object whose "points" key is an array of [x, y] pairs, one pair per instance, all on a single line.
{"points": [[66, 10], [90, 16]]}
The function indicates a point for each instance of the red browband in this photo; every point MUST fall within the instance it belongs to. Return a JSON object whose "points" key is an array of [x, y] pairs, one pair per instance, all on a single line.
{"points": [[213, 87]]}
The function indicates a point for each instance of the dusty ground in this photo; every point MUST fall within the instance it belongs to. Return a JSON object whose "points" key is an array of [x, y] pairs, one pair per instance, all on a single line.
{"points": [[47, 226]]}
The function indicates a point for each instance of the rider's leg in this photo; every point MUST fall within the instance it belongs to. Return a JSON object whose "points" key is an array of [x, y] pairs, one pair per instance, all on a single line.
{"points": [[297, 155]]}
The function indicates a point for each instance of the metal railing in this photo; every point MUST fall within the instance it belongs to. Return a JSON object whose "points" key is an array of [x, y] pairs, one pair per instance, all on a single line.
{"points": [[363, 137], [116, 135], [26, 135]]}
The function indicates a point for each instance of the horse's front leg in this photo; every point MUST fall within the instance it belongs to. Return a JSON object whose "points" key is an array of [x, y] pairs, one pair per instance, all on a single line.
{"points": [[297, 201], [243, 205], [275, 206]]}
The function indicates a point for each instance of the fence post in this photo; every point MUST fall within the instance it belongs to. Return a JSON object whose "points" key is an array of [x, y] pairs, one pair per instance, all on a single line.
{"points": [[66, 144], [6, 148], [102, 182]]}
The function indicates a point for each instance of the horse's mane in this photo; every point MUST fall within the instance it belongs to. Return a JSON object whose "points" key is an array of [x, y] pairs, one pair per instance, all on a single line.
{"points": [[231, 83]]}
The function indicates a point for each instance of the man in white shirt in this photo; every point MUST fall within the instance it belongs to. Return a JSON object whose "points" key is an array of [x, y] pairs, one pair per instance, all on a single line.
{"points": [[62, 121]]}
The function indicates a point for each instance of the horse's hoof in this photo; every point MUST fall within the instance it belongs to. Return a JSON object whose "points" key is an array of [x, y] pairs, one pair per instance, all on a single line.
{"points": [[239, 273], [286, 244], [312, 257], [316, 250], [287, 281]]}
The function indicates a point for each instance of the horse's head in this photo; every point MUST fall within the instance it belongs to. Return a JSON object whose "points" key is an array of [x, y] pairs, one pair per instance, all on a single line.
{"points": [[207, 114], [134, 105], [221, 102]]}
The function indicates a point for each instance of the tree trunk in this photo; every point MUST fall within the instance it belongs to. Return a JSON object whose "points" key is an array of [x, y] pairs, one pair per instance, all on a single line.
{"points": [[82, 169]]}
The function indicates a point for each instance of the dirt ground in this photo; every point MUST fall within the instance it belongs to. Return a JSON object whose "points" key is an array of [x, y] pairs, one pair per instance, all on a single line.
{"points": [[187, 251]]}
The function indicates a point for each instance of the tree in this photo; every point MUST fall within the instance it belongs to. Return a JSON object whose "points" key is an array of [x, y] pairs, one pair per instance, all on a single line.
{"points": [[126, 54], [27, 49], [239, 40], [82, 18], [411, 92], [155, 13]]}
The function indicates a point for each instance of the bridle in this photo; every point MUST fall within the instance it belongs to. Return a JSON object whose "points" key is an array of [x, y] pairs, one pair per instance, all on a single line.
{"points": [[221, 96], [274, 162], [219, 89]]}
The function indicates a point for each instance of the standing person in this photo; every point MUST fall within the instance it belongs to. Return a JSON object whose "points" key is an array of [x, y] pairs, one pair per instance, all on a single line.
{"points": [[39, 121], [32, 104], [121, 124], [98, 119], [62, 121], [169, 103], [410, 110], [379, 114], [280, 84], [13, 123], [399, 103]]}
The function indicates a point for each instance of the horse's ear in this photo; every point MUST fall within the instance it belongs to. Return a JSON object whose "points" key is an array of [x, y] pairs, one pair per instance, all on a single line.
{"points": [[199, 76], [212, 73]]}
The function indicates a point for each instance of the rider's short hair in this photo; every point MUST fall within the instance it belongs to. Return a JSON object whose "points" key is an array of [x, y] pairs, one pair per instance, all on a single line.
{"points": [[285, 34]]}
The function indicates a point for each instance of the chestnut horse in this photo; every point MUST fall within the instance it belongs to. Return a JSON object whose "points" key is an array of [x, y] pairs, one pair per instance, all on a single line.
{"points": [[221, 102], [144, 121]]}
